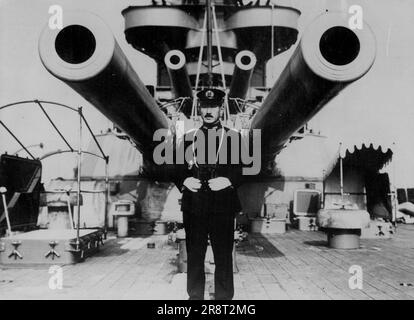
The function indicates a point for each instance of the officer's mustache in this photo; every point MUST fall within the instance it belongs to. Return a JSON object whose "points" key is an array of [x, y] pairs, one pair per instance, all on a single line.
{"points": [[208, 115]]}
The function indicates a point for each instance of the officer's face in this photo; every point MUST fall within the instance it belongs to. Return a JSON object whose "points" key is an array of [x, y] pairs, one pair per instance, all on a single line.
{"points": [[210, 114]]}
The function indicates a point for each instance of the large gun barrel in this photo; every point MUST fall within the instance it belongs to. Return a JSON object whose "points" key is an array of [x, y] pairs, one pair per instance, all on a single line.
{"points": [[240, 83], [85, 55], [243, 70], [329, 56], [180, 81]]}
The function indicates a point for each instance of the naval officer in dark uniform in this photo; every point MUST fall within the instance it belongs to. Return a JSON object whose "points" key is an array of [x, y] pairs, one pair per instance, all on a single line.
{"points": [[210, 201]]}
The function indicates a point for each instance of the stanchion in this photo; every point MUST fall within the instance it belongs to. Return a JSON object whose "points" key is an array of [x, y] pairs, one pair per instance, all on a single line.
{"points": [[106, 195], [3, 191], [79, 177]]}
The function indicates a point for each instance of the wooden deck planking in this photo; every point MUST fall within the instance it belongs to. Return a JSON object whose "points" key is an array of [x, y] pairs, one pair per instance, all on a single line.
{"points": [[334, 276], [317, 278], [294, 265], [380, 280], [303, 269], [331, 256], [278, 267], [346, 258]]}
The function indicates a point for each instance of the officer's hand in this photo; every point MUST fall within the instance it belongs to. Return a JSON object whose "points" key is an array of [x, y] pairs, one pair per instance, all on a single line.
{"points": [[192, 184], [219, 183]]}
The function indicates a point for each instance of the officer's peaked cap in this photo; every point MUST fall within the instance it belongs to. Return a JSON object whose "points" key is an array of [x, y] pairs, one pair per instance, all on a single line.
{"points": [[211, 96]]}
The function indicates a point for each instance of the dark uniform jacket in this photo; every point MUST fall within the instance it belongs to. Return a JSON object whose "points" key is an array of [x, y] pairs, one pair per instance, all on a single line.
{"points": [[223, 201]]}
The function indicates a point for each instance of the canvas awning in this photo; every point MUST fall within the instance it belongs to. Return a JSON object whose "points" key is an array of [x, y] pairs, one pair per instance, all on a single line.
{"points": [[124, 159], [307, 158], [314, 157]]}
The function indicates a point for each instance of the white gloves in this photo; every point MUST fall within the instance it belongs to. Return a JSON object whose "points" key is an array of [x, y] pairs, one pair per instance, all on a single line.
{"points": [[219, 183], [192, 184], [215, 184]]}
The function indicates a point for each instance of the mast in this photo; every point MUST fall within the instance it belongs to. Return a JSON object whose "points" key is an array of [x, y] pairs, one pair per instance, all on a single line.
{"points": [[209, 45]]}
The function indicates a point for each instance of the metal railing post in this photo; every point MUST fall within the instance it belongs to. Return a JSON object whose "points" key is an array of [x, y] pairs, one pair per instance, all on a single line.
{"points": [[79, 177]]}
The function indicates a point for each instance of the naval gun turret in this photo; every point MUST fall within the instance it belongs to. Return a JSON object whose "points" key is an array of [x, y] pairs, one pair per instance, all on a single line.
{"points": [[210, 44]]}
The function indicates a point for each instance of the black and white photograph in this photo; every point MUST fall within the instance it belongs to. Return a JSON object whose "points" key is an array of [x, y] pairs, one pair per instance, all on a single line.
{"points": [[219, 150]]}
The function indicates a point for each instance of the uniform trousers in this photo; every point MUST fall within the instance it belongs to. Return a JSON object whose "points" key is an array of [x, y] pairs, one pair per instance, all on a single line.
{"points": [[219, 228]]}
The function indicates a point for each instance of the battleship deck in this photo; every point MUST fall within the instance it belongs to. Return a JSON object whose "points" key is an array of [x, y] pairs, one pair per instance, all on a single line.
{"points": [[294, 265]]}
